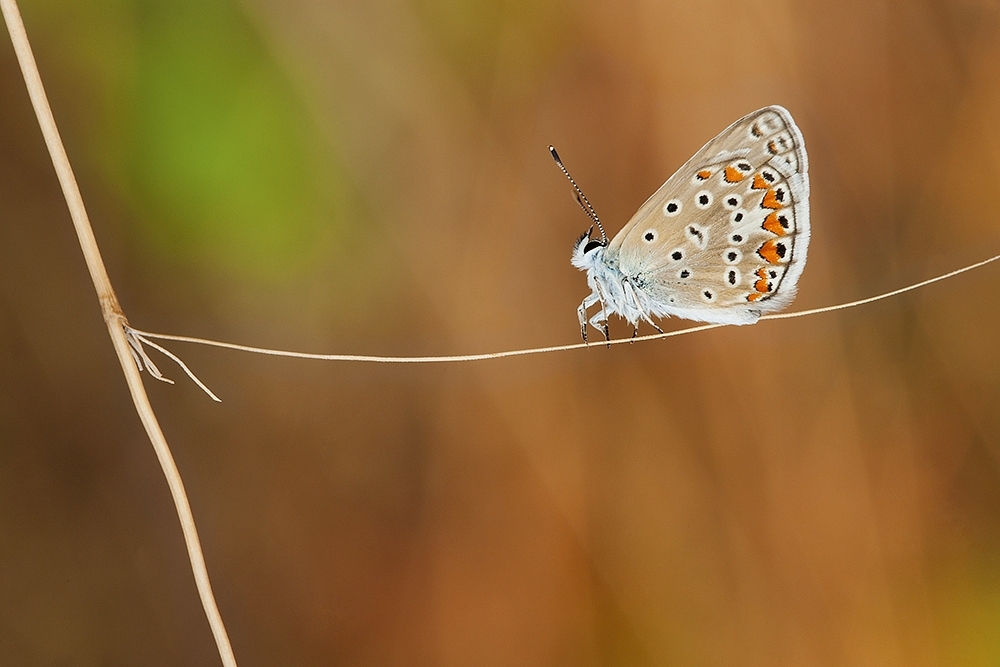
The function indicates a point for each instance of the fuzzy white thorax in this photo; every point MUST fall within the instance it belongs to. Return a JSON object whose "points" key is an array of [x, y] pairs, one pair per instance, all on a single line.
{"points": [[609, 287]]}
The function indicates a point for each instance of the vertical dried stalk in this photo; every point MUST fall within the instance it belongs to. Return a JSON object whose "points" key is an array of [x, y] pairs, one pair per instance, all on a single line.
{"points": [[115, 319]]}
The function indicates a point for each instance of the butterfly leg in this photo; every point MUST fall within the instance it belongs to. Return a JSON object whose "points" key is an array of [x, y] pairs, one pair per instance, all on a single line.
{"points": [[581, 313], [635, 328], [600, 319], [600, 322]]}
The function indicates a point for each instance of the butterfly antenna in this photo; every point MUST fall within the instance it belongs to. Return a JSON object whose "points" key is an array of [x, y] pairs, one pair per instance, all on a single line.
{"points": [[581, 198]]}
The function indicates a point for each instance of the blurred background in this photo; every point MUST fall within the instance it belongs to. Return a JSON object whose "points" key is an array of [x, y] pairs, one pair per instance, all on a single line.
{"points": [[372, 177]]}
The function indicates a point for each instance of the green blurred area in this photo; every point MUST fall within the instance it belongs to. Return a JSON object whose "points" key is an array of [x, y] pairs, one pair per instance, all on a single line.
{"points": [[221, 157], [203, 135], [968, 606]]}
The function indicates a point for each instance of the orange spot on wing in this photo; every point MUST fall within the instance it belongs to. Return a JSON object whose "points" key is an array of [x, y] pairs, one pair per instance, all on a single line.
{"points": [[753, 296], [703, 174], [733, 175], [773, 225], [756, 130], [772, 251], [771, 200], [759, 183], [762, 285], [772, 148]]}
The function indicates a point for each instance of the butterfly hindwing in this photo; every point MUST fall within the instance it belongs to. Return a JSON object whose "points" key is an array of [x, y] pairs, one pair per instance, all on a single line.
{"points": [[725, 238]]}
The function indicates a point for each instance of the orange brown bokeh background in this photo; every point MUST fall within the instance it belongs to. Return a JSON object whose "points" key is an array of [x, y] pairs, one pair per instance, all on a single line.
{"points": [[373, 178]]}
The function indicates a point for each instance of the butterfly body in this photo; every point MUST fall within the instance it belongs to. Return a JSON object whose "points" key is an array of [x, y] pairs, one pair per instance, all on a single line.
{"points": [[724, 240]]}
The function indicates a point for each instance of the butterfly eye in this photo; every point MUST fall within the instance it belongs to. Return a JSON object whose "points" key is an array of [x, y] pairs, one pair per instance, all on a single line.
{"points": [[733, 277], [672, 208], [677, 255], [736, 238], [703, 199], [732, 256], [708, 295], [649, 236], [737, 217], [732, 202], [593, 245]]}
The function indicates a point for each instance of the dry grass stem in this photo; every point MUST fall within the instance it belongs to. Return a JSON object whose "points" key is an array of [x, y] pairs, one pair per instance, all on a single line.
{"points": [[115, 320]]}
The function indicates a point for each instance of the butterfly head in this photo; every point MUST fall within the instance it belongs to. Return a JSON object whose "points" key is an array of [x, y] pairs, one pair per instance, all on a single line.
{"points": [[588, 251]]}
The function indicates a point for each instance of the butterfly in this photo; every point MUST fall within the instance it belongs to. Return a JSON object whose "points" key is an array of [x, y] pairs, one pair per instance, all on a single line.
{"points": [[723, 241]]}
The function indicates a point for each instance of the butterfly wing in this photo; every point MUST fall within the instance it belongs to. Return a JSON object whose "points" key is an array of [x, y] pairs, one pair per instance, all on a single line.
{"points": [[725, 238]]}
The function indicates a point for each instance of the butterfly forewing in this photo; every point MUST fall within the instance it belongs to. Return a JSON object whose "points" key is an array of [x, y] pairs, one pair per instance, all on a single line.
{"points": [[725, 238]]}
